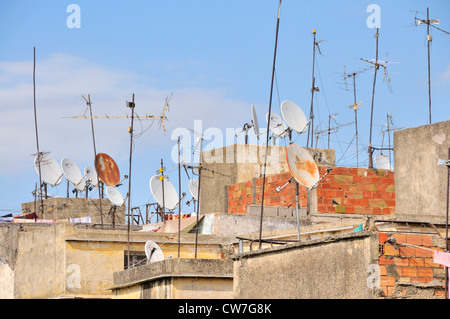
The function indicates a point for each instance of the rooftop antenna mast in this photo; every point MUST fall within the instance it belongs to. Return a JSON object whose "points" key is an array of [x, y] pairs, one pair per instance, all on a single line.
{"points": [[268, 123], [36, 128], [376, 67], [313, 89], [429, 24], [355, 105], [131, 105], [89, 103]]}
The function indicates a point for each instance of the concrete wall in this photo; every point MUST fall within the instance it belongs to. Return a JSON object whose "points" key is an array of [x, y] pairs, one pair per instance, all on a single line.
{"points": [[64, 260], [6, 281], [60, 208], [329, 268], [40, 263], [240, 163], [176, 279], [421, 185]]}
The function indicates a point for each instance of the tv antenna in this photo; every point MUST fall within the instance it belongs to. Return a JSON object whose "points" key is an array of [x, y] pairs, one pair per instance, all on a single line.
{"points": [[161, 117], [385, 161], [429, 22], [313, 89], [384, 65], [355, 104], [330, 129]]}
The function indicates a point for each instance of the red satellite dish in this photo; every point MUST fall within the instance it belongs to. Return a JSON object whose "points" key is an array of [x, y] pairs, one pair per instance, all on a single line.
{"points": [[107, 169]]}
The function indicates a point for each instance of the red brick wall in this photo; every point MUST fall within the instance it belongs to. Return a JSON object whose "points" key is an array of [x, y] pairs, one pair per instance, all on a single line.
{"points": [[354, 191], [400, 263]]}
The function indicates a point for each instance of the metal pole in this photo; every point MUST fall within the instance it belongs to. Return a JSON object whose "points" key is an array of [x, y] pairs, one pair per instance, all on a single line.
{"points": [[36, 129], [446, 227], [311, 111], [298, 213], [356, 117], [389, 140], [370, 150], [429, 77], [329, 130], [268, 125], [163, 213], [198, 204], [129, 179], [179, 197], [95, 155]]}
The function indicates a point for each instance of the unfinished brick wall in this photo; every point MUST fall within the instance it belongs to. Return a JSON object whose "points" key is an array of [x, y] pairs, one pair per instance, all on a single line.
{"points": [[344, 190], [407, 271]]}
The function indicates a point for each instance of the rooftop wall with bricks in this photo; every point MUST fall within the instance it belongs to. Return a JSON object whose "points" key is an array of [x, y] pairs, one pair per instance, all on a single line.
{"points": [[344, 190], [409, 271]]}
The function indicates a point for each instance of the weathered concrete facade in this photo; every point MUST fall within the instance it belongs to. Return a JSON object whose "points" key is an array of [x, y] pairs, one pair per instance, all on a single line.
{"points": [[177, 279], [323, 268], [62, 209], [64, 260], [421, 185]]}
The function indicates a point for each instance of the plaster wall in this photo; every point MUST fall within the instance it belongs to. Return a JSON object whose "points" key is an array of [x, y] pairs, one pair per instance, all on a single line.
{"points": [[421, 185], [320, 269]]}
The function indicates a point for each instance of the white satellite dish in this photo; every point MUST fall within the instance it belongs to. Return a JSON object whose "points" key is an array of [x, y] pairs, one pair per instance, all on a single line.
{"points": [[73, 174], [255, 122], [294, 116], [114, 196], [382, 162], [193, 188], [276, 124], [51, 172], [153, 252], [91, 175], [170, 194]]}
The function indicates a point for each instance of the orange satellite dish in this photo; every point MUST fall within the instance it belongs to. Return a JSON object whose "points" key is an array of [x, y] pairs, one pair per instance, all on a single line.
{"points": [[302, 166], [107, 169]]}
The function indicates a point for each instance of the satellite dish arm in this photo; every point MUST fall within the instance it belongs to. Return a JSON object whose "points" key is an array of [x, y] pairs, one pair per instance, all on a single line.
{"points": [[318, 182]]}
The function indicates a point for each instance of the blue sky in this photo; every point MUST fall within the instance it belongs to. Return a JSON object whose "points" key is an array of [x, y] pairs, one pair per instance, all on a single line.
{"points": [[215, 57]]}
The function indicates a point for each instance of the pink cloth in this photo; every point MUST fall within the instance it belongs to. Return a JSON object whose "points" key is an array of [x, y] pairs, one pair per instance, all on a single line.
{"points": [[441, 258]]}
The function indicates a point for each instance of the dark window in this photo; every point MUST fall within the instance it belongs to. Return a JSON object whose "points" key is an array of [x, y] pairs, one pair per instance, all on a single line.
{"points": [[137, 258]]}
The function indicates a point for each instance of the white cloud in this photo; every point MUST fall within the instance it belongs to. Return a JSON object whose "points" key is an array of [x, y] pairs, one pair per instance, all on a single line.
{"points": [[61, 80], [445, 76]]}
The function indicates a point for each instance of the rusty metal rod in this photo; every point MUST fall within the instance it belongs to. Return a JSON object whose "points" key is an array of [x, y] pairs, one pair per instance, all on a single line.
{"points": [[36, 129], [268, 125]]}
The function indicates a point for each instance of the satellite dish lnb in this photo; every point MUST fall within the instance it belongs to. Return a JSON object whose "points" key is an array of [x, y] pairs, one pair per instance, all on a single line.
{"points": [[153, 252], [170, 199], [294, 116], [302, 166], [51, 172], [107, 169]]}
